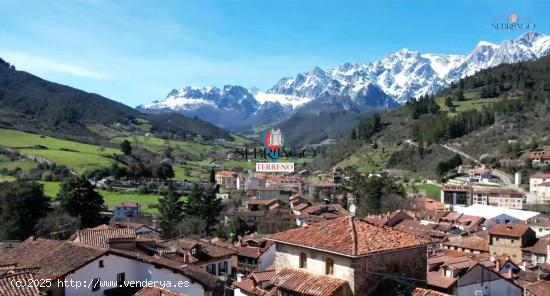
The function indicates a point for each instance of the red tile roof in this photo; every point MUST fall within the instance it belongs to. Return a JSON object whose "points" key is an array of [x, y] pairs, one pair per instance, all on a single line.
{"points": [[469, 242], [263, 276], [300, 207], [305, 283], [514, 230], [349, 236], [541, 246], [540, 175], [541, 288], [427, 292], [154, 291], [248, 286], [436, 279], [8, 288], [102, 237]]}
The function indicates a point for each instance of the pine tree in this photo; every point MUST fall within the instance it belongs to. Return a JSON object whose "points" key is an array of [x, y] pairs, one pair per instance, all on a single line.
{"points": [[171, 213], [22, 204], [126, 147], [204, 204], [353, 134], [212, 176], [78, 197]]}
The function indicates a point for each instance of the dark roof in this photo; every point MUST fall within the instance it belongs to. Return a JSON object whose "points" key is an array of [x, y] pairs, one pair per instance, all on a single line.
{"points": [[540, 247]]}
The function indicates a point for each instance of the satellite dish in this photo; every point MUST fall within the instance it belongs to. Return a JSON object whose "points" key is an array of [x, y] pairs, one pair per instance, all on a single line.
{"points": [[352, 209]]}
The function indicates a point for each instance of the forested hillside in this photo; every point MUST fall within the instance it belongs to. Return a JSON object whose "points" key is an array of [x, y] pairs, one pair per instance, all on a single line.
{"points": [[30, 103], [479, 114]]}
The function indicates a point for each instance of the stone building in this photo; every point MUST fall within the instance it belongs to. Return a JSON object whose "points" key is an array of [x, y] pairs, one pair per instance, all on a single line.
{"points": [[507, 240]]}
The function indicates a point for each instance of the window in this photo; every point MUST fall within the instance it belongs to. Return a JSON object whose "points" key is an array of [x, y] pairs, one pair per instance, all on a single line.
{"points": [[303, 260], [120, 278], [95, 284], [512, 241], [329, 266], [101, 265]]}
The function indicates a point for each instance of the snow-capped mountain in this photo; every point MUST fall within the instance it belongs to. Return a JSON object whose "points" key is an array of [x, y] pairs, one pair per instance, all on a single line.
{"points": [[395, 79], [407, 74]]}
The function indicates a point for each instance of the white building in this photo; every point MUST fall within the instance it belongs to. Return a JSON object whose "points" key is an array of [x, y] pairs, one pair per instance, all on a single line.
{"points": [[539, 184], [482, 281], [79, 269], [498, 215]]}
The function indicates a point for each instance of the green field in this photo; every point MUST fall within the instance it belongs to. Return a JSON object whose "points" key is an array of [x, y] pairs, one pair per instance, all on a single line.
{"points": [[6, 178], [157, 144], [367, 159], [111, 198], [24, 164], [432, 191]]}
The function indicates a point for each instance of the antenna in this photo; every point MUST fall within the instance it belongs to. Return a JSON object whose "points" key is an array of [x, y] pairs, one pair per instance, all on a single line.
{"points": [[352, 209]]}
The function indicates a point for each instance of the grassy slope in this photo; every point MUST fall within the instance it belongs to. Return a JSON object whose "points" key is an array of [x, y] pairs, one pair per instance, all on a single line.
{"points": [[111, 198], [432, 191]]}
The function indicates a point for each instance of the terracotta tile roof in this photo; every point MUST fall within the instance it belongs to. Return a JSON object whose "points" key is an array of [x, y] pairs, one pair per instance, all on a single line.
{"points": [[211, 251], [248, 286], [300, 207], [305, 283], [514, 230], [263, 276], [129, 204], [469, 242], [540, 247], [540, 175], [51, 259], [436, 279], [7, 287], [541, 288], [102, 237], [261, 201], [427, 292], [226, 174], [349, 236], [323, 184], [153, 291], [416, 228]]}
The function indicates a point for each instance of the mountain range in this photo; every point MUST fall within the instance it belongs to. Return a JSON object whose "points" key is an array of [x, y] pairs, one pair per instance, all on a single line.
{"points": [[357, 88]]}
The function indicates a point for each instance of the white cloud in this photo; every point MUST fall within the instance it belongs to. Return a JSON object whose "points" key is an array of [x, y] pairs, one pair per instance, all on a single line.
{"points": [[40, 65]]}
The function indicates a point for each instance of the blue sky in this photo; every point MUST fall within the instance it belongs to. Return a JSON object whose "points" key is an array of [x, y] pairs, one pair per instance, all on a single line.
{"points": [[137, 51]]}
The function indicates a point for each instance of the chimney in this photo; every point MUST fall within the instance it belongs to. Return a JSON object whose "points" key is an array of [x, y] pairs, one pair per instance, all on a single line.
{"points": [[239, 277]]}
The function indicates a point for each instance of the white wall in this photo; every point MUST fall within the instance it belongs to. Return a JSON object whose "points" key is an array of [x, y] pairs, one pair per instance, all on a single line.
{"points": [[499, 287], [134, 271], [267, 258]]}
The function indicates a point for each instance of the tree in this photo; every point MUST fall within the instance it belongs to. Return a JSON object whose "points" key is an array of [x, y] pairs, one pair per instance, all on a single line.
{"points": [[204, 204], [171, 213], [126, 147], [448, 102], [353, 134], [237, 227], [460, 94], [163, 171], [371, 192], [57, 225], [79, 199], [22, 204], [212, 176]]}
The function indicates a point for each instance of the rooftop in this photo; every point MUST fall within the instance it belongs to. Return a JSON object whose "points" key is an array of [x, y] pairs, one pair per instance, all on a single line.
{"points": [[7, 287], [154, 291], [102, 237], [349, 237], [541, 246], [489, 212], [305, 283], [515, 230]]}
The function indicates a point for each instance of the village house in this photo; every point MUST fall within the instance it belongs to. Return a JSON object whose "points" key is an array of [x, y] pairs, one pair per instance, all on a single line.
{"points": [[262, 204], [345, 256], [508, 240], [540, 224], [468, 244], [426, 231], [539, 184], [228, 179], [539, 288], [65, 261], [539, 253], [318, 213], [212, 258], [481, 175], [127, 210], [8, 288], [449, 271], [482, 280], [322, 189], [539, 157], [254, 254]]}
